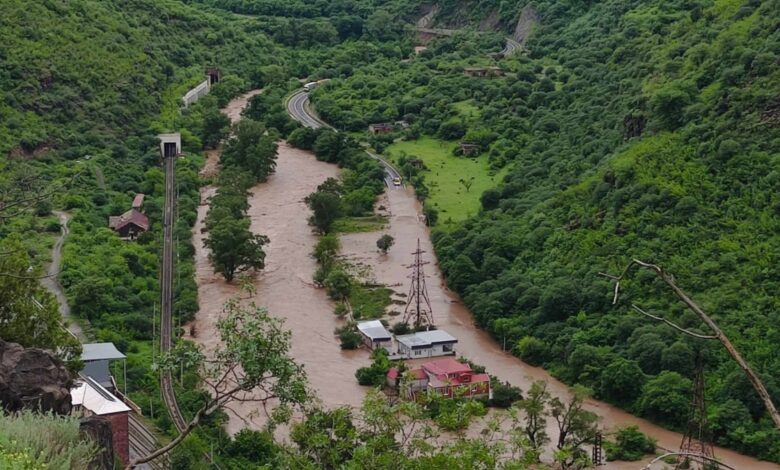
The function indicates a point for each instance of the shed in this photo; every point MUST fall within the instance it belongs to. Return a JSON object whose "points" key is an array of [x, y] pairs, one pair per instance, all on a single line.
{"points": [[130, 224], [375, 335], [381, 128], [96, 357], [90, 398], [469, 149], [426, 344]]}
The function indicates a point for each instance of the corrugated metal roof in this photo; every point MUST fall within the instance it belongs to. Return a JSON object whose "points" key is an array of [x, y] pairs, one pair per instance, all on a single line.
{"points": [[92, 396], [100, 352], [374, 329], [426, 338]]}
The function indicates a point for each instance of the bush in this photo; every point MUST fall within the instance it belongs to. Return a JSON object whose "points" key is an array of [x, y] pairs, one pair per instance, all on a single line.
{"points": [[630, 444], [350, 339], [504, 394]]}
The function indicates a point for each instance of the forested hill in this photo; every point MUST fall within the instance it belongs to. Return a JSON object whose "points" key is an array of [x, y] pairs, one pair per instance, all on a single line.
{"points": [[76, 75], [646, 129]]}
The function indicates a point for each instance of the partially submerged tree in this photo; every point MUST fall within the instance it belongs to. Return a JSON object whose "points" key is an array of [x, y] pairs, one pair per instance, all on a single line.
{"points": [[252, 364], [385, 242], [234, 248]]}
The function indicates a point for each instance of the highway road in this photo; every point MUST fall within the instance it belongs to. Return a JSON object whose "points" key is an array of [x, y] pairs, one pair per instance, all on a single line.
{"points": [[511, 47], [298, 108]]}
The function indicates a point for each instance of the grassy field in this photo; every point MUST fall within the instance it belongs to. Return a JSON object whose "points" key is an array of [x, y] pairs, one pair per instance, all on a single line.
{"points": [[448, 195], [371, 223]]}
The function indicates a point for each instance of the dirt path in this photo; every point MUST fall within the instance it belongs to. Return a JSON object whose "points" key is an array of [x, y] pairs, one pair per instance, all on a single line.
{"points": [[405, 225], [52, 282]]}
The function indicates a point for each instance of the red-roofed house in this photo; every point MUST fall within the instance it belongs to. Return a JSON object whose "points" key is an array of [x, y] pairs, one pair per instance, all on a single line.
{"points": [[446, 376], [130, 224]]}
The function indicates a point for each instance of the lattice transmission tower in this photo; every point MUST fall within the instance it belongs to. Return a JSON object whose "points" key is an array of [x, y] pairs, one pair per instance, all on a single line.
{"points": [[696, 440], [418, 311]]}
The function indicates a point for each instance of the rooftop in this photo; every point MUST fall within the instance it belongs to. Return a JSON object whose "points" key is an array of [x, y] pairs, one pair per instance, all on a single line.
{"points": [[92, 396], [426, 338], [100, 352], [374, 329], [446, 366], [133, 216]]}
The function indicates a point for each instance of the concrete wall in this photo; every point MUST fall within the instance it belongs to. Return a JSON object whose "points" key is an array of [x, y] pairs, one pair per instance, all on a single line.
{"points": [[196, 93]]}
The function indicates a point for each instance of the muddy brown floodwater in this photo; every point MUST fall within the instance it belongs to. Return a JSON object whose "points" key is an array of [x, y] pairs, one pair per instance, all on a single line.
{"points": [[285, 288], [406, 226]]}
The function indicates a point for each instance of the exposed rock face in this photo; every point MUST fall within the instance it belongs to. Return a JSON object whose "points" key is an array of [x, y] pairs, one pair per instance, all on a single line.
{"points": [[99, 431], [31, 378], [525, 24]]}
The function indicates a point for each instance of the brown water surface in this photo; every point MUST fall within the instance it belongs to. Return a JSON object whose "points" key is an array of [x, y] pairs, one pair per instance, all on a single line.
{"points": [[285, 288]]}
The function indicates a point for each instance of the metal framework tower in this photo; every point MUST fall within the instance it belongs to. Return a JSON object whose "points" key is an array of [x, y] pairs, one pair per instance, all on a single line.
{"points": [[596, 454], [418, 310], [696, 440]]}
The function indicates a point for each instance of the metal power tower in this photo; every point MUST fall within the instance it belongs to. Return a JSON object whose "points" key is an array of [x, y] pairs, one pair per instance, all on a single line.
{"points": [[418, 308], [696, 441]]}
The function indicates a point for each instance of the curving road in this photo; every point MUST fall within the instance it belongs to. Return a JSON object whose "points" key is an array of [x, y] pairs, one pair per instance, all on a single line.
{"points": [[511, 47], [298, 108], [52, 283]]}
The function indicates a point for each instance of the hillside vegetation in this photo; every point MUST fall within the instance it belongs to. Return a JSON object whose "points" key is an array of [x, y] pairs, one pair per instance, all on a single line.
{"points": [[632, 130]]}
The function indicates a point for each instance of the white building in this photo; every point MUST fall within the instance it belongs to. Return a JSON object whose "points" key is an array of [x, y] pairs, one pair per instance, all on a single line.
{"points": [[426, 344], [375, 335]]}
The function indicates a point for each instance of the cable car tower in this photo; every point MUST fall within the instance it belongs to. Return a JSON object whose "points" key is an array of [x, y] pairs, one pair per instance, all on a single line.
{"points": [[418, 312], [696, 449]]}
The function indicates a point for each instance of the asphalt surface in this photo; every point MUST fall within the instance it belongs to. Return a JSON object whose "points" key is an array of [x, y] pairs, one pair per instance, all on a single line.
{"points": [[298, 108]]}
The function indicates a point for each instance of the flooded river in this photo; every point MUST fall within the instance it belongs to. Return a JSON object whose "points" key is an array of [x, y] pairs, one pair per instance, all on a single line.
{"points": [[285, 288]]}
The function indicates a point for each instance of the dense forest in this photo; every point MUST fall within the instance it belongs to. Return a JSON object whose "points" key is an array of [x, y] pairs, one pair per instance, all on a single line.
{"points": [[622, 129], [631, 130]]}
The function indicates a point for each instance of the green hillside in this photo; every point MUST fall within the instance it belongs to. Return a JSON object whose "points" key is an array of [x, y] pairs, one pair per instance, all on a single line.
{"points": [[631, 130]]}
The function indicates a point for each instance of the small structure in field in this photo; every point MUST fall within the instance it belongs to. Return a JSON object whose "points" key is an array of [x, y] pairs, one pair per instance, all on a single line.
{"points": [[469, 149], [96, 358], [375, 335], [447, 377], [422, 344], [381, 128], [89, 398], [486, 72]]}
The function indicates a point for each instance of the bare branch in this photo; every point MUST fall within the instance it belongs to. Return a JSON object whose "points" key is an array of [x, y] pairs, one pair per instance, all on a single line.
{"points": [[679, 328], [668, 279]]}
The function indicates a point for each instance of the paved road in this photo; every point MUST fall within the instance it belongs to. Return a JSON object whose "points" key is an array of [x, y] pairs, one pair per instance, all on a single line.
{"points": [[511, 47], [298, 108], [52, 279]]}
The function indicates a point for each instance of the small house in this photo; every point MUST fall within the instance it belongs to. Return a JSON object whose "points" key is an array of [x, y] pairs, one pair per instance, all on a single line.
{"points": [[129, 225], [447, 377], [469, 149], [375, 335], [426, 344], [486, 72], [89, 398], [381, 128]]}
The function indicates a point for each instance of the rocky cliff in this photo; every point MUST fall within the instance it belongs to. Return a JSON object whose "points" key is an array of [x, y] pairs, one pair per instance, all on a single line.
{"points": [[32, 378]]}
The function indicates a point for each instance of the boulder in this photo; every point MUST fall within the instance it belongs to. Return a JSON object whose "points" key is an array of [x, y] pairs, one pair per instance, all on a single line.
{"points": [[32, 378]]}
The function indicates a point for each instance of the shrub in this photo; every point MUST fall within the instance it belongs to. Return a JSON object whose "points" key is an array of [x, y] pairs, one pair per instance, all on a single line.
{"points": [[630, 444]]}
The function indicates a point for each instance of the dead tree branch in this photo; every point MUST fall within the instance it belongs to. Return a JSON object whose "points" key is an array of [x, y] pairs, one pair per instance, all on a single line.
{"points": [[673, 325], [668, 279]]}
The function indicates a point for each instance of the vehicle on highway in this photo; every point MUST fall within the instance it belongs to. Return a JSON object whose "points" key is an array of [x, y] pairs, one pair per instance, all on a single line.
{"points": [[309, 86], [396, 181]]}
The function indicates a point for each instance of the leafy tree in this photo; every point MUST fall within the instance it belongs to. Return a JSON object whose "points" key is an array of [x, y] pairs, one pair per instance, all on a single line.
{"points": [[385, 242], [234, 248], [666, 398], [326, 208], [29, 314], [215, 127], [576, 425], [534, 408], [257, 345], [375, 374], [339, 284], [251, 149], [621, 381], [629, 445]]}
